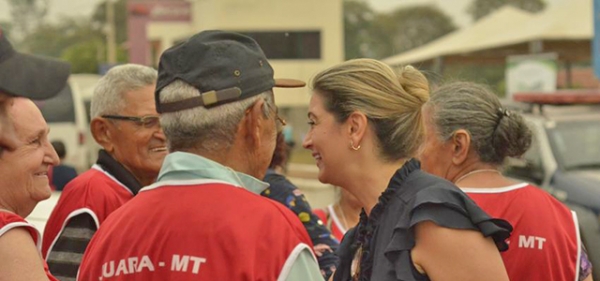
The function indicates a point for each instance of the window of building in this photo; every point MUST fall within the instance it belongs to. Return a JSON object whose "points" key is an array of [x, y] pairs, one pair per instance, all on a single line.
{"points": [[288, 45]]}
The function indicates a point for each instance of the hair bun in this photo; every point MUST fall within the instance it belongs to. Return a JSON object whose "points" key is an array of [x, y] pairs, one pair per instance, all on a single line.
{"points": [[512, 137], [414, 82]]}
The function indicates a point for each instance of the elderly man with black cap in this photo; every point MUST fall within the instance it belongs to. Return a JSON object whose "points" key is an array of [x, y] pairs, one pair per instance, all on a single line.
{"points": [[25, 157], [204, 218]]}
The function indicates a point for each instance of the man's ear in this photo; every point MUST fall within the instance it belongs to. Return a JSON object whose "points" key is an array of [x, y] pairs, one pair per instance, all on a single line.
{"points": [[254, 123], [102, 133], [461, 143], [357, 127]]}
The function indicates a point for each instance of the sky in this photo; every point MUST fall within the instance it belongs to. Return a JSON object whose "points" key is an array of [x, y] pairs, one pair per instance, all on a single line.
{"points": [[455, 8]]}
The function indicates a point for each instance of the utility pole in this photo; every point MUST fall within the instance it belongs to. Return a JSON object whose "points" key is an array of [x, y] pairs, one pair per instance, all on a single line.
{"points": [[111, 40]]}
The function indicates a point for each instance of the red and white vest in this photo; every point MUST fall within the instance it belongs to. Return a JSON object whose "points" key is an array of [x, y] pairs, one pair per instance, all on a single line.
{"points": [[545, 244], [196, 230], [94, 192], [333, 223], [10, 221]]}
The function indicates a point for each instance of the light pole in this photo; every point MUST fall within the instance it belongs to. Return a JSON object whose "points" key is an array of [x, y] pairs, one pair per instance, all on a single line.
{"points": [[111, 40]]}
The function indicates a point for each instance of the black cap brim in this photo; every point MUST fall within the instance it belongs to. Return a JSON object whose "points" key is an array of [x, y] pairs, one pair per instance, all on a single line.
{"points": [[32, 76]]}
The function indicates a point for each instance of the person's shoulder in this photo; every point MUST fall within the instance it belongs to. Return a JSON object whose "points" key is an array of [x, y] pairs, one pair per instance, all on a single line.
{"points": [[533, 195], [278, 182], [423, 179], [90, 178], [424, 185], [10, 221], [93, 183], [273, 210], [7, 218]]}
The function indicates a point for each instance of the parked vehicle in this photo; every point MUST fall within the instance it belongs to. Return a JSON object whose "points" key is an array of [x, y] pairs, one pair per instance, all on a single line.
{"points": [[564, 157], [67, 115]]}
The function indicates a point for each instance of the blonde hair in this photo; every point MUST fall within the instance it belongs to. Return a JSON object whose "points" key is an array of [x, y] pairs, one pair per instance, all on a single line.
{"points": [[392, 102]]}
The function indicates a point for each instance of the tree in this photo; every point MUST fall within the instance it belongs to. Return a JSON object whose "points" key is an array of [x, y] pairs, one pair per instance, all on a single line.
{"points": [[79, 41], [84, 56], [481, 8], [52, 39], [379, 35], [99, 19], [72, 39], [358, 29], [408, 28], [26, 16]]}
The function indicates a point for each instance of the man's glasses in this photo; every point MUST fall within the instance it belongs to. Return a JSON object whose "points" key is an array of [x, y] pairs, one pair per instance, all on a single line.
{"points": [[147, 121], [280, 121]]}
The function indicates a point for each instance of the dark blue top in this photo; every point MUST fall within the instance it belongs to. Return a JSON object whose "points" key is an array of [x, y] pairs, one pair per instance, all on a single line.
{"points": [[286, 193], [384, 239], [61, 175]]}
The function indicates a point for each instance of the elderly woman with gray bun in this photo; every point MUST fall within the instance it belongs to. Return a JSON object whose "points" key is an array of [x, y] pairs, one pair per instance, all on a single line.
{"points": [[366, 125], [468, 136]]}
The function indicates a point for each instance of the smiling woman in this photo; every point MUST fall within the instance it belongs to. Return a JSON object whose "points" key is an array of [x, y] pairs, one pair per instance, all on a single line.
{"points": [[27, 168], [366, 125], [27, 165]]}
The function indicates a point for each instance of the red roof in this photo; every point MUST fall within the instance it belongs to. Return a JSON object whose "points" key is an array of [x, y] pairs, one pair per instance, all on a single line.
{"points": [[560, 97]]}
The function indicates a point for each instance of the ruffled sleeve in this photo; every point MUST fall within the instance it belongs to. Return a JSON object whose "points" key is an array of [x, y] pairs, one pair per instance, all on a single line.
{"points": [[452, 208], [445, 205], [386, 236]]}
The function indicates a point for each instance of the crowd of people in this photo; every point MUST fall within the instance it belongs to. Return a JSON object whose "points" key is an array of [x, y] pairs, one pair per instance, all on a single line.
{"points": [[189, 185]]}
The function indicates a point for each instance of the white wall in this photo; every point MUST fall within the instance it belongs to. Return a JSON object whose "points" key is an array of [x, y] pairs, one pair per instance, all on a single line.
{"points": [[269, 15]]}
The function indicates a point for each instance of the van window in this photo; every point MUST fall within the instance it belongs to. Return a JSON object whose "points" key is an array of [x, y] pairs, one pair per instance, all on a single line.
{"points": [[576, 144], [60, 108]]}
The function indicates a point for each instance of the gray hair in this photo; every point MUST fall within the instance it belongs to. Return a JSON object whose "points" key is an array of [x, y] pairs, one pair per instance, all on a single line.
{"points": [[200, 128], [108, 93], [495, 132]]}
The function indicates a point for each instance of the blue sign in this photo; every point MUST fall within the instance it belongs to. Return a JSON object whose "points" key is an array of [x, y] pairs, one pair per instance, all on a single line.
{"points": [[596, 42]]}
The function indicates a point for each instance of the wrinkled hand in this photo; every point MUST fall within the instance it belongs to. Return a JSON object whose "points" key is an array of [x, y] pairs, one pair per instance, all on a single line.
{"points": [[321, 248]]}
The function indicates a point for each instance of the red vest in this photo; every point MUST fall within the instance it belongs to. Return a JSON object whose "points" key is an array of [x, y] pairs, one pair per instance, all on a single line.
{"points": [[545, 244], [9, 221], [94, 192], [195, 230], [333, 222]]}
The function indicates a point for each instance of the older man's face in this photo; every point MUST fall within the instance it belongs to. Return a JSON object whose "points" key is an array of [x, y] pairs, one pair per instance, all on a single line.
{"points": [[8, 138], [141, 148], [26, 166]]}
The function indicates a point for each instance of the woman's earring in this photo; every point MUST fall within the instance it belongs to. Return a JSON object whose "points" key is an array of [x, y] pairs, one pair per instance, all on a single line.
{"points": [[352, 145]]}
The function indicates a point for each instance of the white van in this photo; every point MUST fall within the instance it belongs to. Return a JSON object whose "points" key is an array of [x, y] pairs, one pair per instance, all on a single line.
{"points": [[68, 117]]}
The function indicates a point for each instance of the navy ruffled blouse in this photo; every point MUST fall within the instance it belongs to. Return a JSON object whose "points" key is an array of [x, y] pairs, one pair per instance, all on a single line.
{"points": [[386, 237]]}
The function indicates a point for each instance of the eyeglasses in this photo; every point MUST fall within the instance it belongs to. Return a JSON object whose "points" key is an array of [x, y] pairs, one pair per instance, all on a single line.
{"points": [[280, 121], [147, 121]]}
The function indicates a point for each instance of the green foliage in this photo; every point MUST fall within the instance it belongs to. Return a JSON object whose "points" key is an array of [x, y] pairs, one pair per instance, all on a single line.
{"points": [[80, 41], [481, 8], [379, 35], [27, 15], [84, 56], [53, 39], [358, 29], [120, 8], [491, 75], [410, 27]]}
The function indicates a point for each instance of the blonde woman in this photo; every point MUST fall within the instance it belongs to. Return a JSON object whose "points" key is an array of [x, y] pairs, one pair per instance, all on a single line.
{"points": [[366, 125]]}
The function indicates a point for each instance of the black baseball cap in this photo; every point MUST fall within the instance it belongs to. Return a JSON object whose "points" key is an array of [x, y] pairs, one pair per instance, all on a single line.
{"points": [[223, 66], [30, 76]]}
